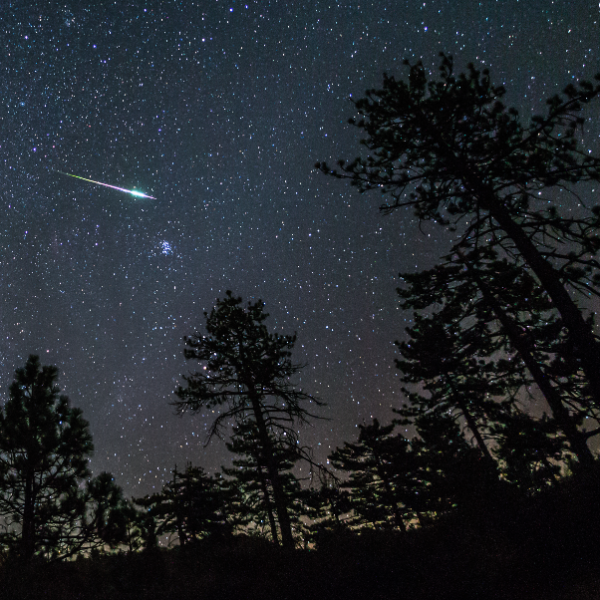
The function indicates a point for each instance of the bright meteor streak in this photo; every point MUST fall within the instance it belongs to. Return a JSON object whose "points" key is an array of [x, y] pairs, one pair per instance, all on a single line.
{"points": [[114, 187]]}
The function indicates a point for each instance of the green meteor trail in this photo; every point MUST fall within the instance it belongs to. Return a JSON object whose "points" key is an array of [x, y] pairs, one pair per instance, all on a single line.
{"points": [[114, 187]]}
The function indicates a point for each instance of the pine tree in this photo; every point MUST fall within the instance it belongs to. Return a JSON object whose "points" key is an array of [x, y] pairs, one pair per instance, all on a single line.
{"points": [[248, 370], [137, 528], [44, 449], [451, 473], [451, 370], [191, 505], [108, 511], [143, 526], [450, 150], [515, 320], [326, 505], [328, 501], [530, 450], [380, 466], [249, 477]]}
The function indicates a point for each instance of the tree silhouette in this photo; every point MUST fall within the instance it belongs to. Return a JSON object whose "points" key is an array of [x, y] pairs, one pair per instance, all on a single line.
{"points": [[44, 450], [451, 473], [143, 526], [326, 505], [450, 150], [248, 370], [191, 505], [516, 320], [451, 369], [380, 468], [530, 450], [136, 528], [109, 512], [249, 477]]}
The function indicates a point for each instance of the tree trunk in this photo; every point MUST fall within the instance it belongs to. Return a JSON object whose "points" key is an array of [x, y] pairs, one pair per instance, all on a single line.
{"points": [[267, 500], [28, 525], [576, 439], [472, 425], [279, 498], [587, 348]]}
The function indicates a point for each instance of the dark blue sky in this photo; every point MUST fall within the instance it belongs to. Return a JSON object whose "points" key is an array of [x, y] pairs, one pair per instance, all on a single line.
{"points": [[220, 110]]}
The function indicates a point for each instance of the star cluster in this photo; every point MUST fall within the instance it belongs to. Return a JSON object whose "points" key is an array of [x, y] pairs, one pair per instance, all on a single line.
{"points": [[220, 109]]}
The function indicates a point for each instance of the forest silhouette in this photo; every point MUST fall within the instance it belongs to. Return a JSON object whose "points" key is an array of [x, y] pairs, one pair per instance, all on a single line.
{"points": [[467, 493]]}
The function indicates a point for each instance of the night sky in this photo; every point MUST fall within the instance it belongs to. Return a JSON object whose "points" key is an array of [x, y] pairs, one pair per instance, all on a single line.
{"points": [[220, 109]]}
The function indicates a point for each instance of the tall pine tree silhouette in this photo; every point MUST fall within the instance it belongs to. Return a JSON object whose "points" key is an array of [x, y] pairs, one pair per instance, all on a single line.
{"points": [[45, 446], [246, 374], [450, 150]]}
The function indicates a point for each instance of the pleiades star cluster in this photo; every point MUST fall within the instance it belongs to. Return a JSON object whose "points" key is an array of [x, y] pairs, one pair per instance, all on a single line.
{"points": [[219, 110]]}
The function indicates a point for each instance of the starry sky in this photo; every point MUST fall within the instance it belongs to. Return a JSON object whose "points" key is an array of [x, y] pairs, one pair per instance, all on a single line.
{"points": [[220, 109]]}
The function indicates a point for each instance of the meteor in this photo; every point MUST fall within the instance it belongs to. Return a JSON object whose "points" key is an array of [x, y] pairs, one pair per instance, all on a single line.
{"points": [[114, 187]]}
